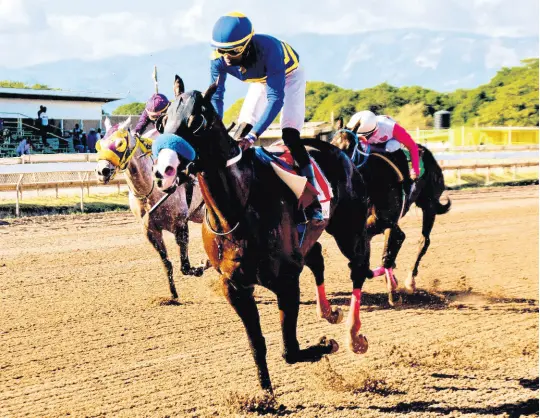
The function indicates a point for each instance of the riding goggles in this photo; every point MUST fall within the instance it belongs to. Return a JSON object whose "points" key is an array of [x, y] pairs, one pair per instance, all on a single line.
{"points": [[233, 52]]}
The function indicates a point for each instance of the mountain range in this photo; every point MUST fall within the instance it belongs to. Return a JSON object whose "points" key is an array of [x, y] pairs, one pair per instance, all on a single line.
{"points": [[440, 60]]}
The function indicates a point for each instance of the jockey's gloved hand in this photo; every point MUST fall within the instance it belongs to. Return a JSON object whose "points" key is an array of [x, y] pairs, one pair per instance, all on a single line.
{"points": [[247, 141]]}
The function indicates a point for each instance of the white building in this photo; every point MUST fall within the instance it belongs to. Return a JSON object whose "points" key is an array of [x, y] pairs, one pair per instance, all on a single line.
{"points": [[61, 105]]}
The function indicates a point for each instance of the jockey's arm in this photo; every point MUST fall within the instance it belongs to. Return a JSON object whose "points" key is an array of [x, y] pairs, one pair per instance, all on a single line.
{"points": [[217, 70], [403, 137], [275, 94], [144, 120]]}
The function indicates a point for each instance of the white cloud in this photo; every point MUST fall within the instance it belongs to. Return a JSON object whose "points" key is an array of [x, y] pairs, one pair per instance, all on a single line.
{"points": [[36, 31], [359, 54], [500, 56], [18, 16]]}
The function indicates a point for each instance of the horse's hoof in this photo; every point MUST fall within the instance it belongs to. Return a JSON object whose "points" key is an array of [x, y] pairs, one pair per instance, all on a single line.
{"points": [[410, 283], [335, 346], [329, 343], [394, 299], [335, 316], [358, 344]]}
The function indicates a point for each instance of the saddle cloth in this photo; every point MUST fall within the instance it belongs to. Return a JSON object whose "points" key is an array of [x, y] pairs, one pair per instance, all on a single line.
{"points": [[420, 160], [282, 162]]}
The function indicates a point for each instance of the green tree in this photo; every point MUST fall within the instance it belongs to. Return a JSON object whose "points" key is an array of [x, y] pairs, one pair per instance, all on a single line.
{"points": [[21, 85], [510, 98], [412, 116], [135, 108]]}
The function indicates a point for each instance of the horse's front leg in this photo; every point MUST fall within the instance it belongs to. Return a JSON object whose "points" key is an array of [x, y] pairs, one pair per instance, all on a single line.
{"points": [[315, 261], [182, 239], [241, 299], [356, 249], [394, 238], [156, 239], [288, 294]]}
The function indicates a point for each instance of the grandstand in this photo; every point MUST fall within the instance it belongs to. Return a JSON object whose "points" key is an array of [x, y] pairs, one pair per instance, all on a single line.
{"points": [[18, 110]]}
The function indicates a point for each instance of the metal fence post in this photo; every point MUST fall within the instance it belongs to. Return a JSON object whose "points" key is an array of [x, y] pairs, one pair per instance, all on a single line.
{"points": [[82, 192], [17, 191]]}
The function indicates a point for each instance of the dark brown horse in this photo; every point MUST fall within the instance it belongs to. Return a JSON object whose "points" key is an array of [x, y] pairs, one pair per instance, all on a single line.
{"points": [[388, 188], [250, 231]]}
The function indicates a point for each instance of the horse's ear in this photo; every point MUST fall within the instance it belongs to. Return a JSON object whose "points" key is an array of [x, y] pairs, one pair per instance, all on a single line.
{"points": [[211, 90], [338, 123], [356, 126], [178, 86], [108, 124], [125, 125]]}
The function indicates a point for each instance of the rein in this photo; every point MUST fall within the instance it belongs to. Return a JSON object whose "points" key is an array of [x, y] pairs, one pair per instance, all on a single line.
{"points": [[126, 157], [207, 222], [356, 150]]}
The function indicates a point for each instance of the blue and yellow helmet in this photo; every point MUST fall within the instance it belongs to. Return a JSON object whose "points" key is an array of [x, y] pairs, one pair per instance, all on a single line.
{"points": [[232, 31]]}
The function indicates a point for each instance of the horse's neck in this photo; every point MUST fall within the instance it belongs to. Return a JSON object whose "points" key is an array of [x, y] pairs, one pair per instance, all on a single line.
{"points": [[226, 189], [139, 174]]}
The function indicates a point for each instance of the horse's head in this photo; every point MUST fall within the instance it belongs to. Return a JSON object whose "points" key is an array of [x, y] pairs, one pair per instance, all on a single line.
{"points": [[345, 139], [192, 129], [113, 150]]}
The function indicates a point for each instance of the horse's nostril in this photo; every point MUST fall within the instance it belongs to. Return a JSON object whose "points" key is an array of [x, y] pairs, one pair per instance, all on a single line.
{"points": [[158, 175], [169, 171], [106, 172]]}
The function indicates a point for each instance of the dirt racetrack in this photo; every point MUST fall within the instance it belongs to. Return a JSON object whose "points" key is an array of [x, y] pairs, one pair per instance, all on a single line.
{"points": [[84, 330]]}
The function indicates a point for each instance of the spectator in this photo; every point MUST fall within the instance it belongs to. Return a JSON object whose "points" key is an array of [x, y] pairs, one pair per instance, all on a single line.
{"points": [[91, 140], [84, 141], [24, 147], [43, 124], [99, 135], [76, 134]]}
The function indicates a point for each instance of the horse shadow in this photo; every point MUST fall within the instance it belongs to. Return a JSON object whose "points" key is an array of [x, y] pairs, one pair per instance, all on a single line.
{"points": [[428, 300], [379, 301], [528, 407]]}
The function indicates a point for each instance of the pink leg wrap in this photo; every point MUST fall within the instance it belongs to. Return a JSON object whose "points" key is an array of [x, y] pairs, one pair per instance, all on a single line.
{"points": [[379, 271], [354, 313], [322, 301]]}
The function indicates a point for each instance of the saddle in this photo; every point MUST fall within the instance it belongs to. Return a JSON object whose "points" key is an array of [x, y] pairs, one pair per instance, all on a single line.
{"points": [[279, 158]]}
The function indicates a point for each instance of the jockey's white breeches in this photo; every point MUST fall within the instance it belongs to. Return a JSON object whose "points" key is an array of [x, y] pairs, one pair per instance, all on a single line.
{"points": [[293, 112]]}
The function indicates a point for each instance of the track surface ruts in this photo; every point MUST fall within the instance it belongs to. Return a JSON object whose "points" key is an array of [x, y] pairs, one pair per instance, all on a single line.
{"points": [[83, 330]]}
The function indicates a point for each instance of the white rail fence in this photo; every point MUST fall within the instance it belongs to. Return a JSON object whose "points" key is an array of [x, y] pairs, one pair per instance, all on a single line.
{"points": [[80, 174]]}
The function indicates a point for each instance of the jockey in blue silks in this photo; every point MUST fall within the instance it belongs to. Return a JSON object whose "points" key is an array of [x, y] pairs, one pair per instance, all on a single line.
{"points": [[278, 83]]}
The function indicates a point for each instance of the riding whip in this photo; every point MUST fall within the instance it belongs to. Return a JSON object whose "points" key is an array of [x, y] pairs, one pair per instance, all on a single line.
{"points": [[154, 76]]}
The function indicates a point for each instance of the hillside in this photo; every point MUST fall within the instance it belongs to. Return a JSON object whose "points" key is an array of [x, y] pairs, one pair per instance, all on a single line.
{"points": [[509, 99]]}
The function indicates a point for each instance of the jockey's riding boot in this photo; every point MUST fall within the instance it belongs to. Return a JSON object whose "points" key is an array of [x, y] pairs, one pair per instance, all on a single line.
{"points": [[314, 210], [291, 138]]}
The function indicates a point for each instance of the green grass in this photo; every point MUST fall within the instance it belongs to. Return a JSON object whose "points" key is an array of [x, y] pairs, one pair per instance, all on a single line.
{"points": [[65, 205]]}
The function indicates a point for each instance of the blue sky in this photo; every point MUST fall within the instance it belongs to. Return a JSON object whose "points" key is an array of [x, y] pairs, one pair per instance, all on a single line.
{"points": [[38, 31]]}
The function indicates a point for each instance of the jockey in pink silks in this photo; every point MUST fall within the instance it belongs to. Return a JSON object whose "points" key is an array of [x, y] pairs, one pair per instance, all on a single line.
{"points": [[380, 130]]}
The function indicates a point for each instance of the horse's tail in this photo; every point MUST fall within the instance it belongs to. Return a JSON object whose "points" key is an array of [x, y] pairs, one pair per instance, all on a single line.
{"points": [[435, 182], [441, 209]]}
